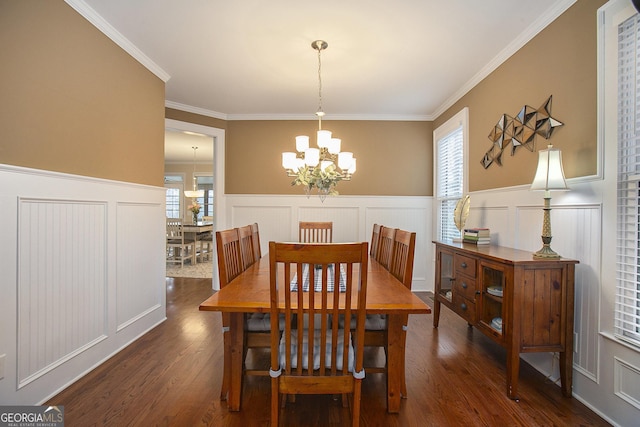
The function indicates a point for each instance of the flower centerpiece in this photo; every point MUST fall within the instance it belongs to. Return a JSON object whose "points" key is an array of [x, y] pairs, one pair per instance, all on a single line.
{"points": [[324, 180], [195, 210]]}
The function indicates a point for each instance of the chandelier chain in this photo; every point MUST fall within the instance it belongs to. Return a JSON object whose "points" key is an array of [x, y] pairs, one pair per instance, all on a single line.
{"points": [[320, 113]]}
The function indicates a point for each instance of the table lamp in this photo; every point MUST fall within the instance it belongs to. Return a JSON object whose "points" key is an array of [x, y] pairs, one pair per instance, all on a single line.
{"points": [[549, 176]]}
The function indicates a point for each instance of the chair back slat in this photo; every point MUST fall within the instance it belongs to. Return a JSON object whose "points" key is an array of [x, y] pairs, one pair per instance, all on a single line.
{"points": [[315, 232], [229, 255], [404, 246], [375, 238], [385, 246], [315, 346], [255, 241], [174, 229], [246, 246]]}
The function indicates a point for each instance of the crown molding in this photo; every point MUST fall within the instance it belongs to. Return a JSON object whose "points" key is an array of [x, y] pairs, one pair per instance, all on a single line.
{"points": [[523, 38], [107, 29], [308, 116], [196, 110]]}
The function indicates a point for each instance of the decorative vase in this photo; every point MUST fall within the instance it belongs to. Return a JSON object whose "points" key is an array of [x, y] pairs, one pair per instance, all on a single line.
{"points": [[195, 218]]}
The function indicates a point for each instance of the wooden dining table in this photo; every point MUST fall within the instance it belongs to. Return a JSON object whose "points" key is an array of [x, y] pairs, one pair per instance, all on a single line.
{"points": [[249, 292]]}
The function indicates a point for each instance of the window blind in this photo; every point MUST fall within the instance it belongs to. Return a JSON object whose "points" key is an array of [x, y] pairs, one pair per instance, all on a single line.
{"points": [[627, 306], [450, 180]]}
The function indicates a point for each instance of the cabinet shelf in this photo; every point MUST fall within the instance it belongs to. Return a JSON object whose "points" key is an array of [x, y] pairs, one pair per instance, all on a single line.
{"points": [[493, 297]]}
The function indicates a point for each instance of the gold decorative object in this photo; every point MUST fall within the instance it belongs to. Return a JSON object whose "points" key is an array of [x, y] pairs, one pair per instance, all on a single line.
{"points": [[460, 214]]}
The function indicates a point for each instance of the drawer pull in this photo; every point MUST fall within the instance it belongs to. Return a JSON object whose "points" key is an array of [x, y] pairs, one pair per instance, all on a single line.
{"points": [[464, 285], [463, 306], [463, 265]]}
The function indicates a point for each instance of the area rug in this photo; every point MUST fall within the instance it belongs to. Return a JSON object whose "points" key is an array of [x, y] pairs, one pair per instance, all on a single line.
{"points": [[199, 270]]}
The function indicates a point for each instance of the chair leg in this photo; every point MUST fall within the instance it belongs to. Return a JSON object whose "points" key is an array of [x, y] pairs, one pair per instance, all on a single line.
{"points": [[275, 404], [355, 412]]}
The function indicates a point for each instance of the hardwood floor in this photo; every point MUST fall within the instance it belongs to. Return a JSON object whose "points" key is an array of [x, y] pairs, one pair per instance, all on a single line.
{"points": [[171, 377]]}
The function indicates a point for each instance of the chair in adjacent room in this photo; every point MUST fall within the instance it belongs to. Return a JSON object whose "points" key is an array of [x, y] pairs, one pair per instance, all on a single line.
{"points": [[179, 248], [314, 356], [315, 232]]}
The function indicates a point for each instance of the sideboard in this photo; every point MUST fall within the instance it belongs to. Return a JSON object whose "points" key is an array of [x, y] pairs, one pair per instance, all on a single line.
{"points": [[521, 303]]}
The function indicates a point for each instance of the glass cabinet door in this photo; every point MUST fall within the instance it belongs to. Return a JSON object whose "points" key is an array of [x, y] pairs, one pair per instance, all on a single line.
{"points": [[492, 286], [446, 275]]}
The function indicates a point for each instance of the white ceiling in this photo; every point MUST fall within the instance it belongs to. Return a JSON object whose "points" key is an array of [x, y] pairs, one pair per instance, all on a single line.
{"points": [[252, 59]]}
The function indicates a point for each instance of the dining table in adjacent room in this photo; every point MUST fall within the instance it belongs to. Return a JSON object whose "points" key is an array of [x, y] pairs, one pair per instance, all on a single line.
{"points": [[196, 230], [249, 293]]}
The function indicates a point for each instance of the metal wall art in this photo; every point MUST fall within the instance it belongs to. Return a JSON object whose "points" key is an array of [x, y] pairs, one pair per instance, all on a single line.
{"points": [[520, 131]]}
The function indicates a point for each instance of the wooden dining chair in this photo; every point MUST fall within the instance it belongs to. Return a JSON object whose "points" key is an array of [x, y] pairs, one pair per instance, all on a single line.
{"points": [[385, 246], [179, 248], [375, 239], [315, 232], [401, 267], [314, 355], [404, 246], [257, 325], [229, 267], [246, 246], [255, 237]]}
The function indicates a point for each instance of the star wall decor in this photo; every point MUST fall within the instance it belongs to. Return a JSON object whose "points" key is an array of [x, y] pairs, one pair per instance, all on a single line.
{"points": [[520, 131]]}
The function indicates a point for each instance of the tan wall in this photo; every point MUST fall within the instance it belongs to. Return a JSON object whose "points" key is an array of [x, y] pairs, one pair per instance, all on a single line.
{"points": [[560, 61], [253, 162], [73, 101], [391, 156]]}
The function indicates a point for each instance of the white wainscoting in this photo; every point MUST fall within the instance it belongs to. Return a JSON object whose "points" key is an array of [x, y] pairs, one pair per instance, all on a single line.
{"points": [[83, 275], [353, 218]]}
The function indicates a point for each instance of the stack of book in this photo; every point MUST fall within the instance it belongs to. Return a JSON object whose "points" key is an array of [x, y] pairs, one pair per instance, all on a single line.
{"points": [[479, 236]]}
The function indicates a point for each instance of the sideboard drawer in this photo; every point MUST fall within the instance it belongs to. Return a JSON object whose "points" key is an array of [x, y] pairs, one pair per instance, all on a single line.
{"points": [[465, 287], [464, 265], [465, 308]]}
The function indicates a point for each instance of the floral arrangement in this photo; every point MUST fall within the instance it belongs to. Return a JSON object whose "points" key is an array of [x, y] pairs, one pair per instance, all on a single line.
{"points": [[195, 208], [324, 180]]}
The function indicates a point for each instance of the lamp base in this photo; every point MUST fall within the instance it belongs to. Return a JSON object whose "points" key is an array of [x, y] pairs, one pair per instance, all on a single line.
{"points": [[546, 253]]}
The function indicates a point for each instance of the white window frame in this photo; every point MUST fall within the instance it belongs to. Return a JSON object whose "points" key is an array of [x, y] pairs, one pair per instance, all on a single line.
{"points": [[611, 15], [179, 185], [458, 121]]}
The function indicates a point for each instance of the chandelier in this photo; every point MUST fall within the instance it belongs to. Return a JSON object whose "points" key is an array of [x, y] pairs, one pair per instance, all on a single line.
{"points": [[195, 193], [323, 167]]}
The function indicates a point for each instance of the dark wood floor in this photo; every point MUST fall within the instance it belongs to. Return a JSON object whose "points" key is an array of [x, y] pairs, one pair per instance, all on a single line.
{"points": [[171, 377]]}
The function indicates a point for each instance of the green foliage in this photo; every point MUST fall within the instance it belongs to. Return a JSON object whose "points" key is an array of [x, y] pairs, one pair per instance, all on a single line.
{"points": [[324, 180]]}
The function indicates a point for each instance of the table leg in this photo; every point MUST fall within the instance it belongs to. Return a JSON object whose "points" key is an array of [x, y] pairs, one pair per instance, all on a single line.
{"points": [[395, 365], [236, 335]]}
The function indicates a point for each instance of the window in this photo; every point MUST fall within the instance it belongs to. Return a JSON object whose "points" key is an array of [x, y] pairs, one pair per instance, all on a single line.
{"points": [[627, 306], [173, 185], [450, 180]]}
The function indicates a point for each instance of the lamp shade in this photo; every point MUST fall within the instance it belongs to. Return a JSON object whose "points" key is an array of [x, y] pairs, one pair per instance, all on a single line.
{"points": [[549, 175], [194, 193]]}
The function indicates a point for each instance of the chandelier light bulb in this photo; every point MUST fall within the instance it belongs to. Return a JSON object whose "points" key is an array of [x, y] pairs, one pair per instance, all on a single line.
{"points": [[302, 143]]}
